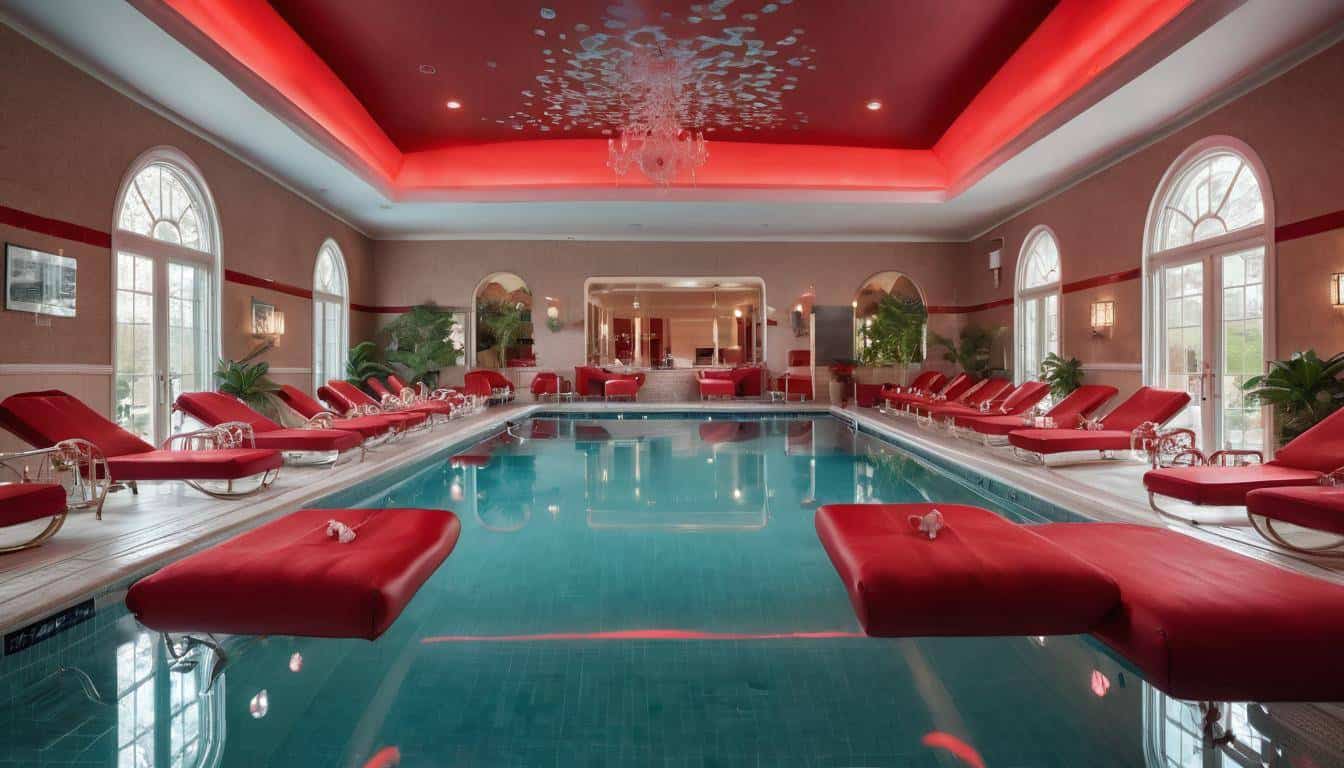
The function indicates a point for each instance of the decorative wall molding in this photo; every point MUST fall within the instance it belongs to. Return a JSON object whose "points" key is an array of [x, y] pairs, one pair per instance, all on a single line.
{"points": [[1114, 367], [54, 369]]}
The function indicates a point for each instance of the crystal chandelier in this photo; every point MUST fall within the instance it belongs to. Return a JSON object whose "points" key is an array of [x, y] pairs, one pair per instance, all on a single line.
{"points": [[651, 136]]}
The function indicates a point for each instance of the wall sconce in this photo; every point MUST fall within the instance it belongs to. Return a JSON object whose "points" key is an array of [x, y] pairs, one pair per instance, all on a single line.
{"points": [[267, 321], [996, 264], [737, 313], [553, 314], [1103, 317], [1337, 289]]}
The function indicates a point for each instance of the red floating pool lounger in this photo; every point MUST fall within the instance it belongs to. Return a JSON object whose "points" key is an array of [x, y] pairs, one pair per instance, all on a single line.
{"points": [[1201, 622], [982, 575], [216, 409], [289, 577]]}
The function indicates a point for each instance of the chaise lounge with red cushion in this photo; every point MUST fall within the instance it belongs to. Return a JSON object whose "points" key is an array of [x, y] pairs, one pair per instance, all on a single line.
{"points": [[1317, 507], [1079, 404], [1190, 615], [902, 401], [27, 502], [372, 428], [487, 383], [1303, 461], [985, 394], [548, 384], [926, 381], [406, 398], [1006, 403], [346, 398], [1148, 405], [44, 419], [289, 577], [215, 409]]}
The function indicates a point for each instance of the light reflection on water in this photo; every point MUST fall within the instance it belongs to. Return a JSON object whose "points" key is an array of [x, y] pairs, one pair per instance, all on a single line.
{"points": [[627, 592]]}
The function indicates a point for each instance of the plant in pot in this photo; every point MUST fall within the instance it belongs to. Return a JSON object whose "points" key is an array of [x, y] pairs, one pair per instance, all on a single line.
{"points": [[970, 352], [1303, 390], [1062, 375], [842, 380], [248, 382], [420, 341], [360, 364], [894, 334], [503, 322]]}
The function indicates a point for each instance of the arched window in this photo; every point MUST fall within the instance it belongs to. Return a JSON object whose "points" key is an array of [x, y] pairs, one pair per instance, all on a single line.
{"points": [[1036, 303], [165, 246], [1207, 265], [331, 315]]}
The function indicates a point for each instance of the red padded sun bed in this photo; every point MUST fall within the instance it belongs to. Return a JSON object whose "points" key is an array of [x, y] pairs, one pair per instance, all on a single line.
{"points": [[215, 408], [1199, 621], [289, 577], [1147, 404], [1081, 402]]}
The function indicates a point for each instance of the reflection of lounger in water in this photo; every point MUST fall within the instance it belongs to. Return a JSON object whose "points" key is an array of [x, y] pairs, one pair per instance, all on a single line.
{"points": [[729, 431], [590, 433]]}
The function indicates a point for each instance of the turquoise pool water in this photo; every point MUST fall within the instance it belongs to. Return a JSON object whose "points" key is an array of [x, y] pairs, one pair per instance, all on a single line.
{"points": [[626, 591]]}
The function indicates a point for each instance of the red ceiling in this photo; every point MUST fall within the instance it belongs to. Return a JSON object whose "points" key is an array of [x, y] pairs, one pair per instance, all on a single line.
{"points": [[818, 63]]}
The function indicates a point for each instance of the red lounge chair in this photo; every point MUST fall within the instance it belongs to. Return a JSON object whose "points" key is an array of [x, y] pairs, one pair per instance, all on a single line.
{"points": [[796, 383], [1007, 403], [44, 419], [1318, 507], [30, 490], [489, 384], [353, 401], [27, 502], [289, 577], [622, 388], [549, 384], [1148, 405], [590, 381], [715, 383], [422, 392], [1304, 461], [927, 381], [215, 409], [406, 398], [954, 389], [1184, 612], [374, 429], [984, 396], [1080, 403]]}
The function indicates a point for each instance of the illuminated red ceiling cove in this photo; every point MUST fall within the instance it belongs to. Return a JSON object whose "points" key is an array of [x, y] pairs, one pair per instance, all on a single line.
{"points": [[780, 86]]}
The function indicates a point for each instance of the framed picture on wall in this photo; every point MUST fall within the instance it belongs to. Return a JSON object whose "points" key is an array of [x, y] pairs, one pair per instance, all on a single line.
{"points": [[39, 282]]}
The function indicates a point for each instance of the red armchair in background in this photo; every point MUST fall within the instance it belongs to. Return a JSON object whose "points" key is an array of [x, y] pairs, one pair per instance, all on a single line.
{"points": [[796, 383], [590, 380], [549, 384], [485, 382]]}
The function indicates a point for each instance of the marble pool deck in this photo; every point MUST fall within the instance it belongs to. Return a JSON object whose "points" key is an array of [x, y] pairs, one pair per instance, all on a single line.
{"points": [[91, 558]]}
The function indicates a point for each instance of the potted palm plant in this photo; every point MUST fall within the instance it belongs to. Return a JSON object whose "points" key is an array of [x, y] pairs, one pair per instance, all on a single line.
{"points": [[894, 334], [1062, 375], [420, 341], [248, 382], [360, 364], [1303, 390]]}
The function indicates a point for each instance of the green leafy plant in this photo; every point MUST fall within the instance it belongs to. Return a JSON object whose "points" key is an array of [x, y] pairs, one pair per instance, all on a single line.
{"points": [[971, 351], [420, 341], [360, 364], [895, 332], [502, 323], [1062, 375], [1303, 390], [248, 382]]}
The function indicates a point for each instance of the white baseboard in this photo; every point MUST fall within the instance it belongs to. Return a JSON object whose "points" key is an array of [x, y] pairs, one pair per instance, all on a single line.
{"points": [[54, 369]]}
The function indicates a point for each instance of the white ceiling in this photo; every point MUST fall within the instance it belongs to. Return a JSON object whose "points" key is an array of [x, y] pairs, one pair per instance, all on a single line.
{"points": [[113, 41]]}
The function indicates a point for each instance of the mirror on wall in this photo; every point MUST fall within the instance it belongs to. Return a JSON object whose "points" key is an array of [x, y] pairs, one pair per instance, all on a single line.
{"points": [[890, 321], [503, 323], [674, 322]]}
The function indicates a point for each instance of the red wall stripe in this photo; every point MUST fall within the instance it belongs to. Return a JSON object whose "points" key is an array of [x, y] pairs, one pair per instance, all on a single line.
{"points": [[54, 227], [379, 310], [1307, 227], [242, 278], [1100, 280]]}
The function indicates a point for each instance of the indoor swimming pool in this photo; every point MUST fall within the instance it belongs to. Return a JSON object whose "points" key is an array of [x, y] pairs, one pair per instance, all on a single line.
{"points": [[628, 589]]}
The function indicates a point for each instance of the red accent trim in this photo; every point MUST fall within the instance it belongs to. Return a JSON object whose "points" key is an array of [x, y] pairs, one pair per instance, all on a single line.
{"points": [[54, 227], [1308, 227], [377, 310], [954, 310], [1100, 280], [242, 278], [641, 634]]}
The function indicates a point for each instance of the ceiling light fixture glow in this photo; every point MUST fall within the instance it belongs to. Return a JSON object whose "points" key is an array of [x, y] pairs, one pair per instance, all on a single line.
{"points": [[651, 134], [874, 105], [454, 104]]}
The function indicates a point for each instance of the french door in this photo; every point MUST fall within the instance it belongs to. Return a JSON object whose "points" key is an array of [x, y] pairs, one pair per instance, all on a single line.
{"points": [[165, 336], [1210, 338]]}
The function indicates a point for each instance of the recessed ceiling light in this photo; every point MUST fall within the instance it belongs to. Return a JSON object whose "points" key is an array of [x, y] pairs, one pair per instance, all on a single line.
{"points": [[428, 69], [874, 105], [454, 104]]}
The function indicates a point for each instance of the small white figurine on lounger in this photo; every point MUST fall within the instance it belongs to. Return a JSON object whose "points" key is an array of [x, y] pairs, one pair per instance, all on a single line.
{"points": [[930, 523]]}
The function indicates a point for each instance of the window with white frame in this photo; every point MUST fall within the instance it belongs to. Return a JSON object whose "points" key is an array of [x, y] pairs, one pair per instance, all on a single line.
{"points": [[331, 315], [165, 286], [1036, 303]]}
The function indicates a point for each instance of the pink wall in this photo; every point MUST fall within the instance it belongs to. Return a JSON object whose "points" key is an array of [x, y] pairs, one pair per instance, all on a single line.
{"points": [[447, 272], [66, 142], [1293, 123]]}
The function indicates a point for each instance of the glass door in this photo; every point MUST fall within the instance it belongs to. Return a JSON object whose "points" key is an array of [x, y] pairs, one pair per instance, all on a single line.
{"points": [[163, 334], [1211, 341]]}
